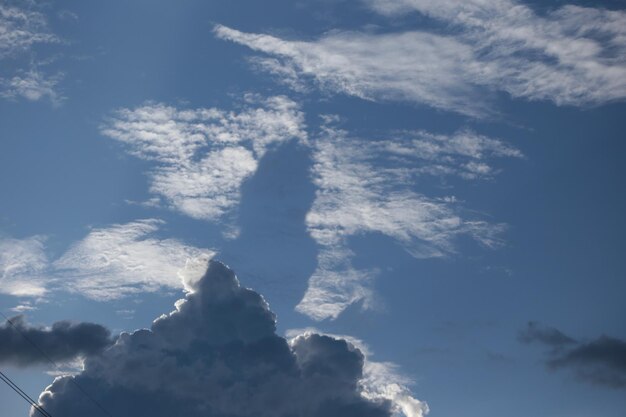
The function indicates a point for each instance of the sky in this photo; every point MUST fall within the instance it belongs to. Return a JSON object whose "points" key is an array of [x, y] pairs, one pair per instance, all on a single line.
{"points": [[313, 207]]}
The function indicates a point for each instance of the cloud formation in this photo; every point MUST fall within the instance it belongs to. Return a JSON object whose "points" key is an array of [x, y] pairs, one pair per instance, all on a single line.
{"points": [[601, 361], [22, 27], [63, 341], [368, 187], [123, 259], [33, 85], [23, 263], [571, 55], [109, 263], [413, 66], [218, 355], [380, 379], [202, 156]]}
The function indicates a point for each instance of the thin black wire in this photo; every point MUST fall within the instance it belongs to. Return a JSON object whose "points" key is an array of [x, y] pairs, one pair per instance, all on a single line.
{"points": [[72, 380], [22, 394]]}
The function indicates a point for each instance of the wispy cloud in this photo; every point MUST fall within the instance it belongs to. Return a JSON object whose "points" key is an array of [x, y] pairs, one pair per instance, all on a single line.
{"points": [[413, 66], [108, 263], [32, 85], [570, 56], [123, 259], [368, 187], [202, 156], [23, 263], [21, 28]]}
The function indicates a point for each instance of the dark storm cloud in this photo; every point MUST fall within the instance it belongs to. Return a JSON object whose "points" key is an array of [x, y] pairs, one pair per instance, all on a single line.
{"points": [[63, 341], [601, 361], [218, 355]]}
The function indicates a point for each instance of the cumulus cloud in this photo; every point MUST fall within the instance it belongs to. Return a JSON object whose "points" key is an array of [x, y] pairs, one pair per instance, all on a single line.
{"points": [[381, 380], [601, 361], [368, 187], [63, 341], [109, 263], [21, 28], [218, 355], [202, 156], [571, 56]]}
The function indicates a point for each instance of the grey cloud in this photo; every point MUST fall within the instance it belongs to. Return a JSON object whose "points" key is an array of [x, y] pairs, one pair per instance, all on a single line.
{"points": [[218, 354], [535, 332], [62, 342], [601, 361]]}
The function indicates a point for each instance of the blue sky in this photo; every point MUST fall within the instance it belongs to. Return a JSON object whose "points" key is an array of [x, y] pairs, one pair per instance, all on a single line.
{"points": [[421, 177]]}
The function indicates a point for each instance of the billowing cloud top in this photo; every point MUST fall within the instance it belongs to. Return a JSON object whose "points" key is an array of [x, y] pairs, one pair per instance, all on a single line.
{"points": [[218, 355]]}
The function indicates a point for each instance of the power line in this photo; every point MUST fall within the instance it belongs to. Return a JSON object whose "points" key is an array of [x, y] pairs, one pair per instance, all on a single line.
{"points": [[22, 394], [72, 380]]}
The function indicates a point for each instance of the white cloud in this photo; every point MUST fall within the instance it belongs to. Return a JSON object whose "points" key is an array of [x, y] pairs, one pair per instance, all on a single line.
{"points": [[202, 156], [571, 56], [32, 85], [21, 28], [413, 66], [108, 263], [381, 380], [124, 259], [368, 187], [22, 265]]}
